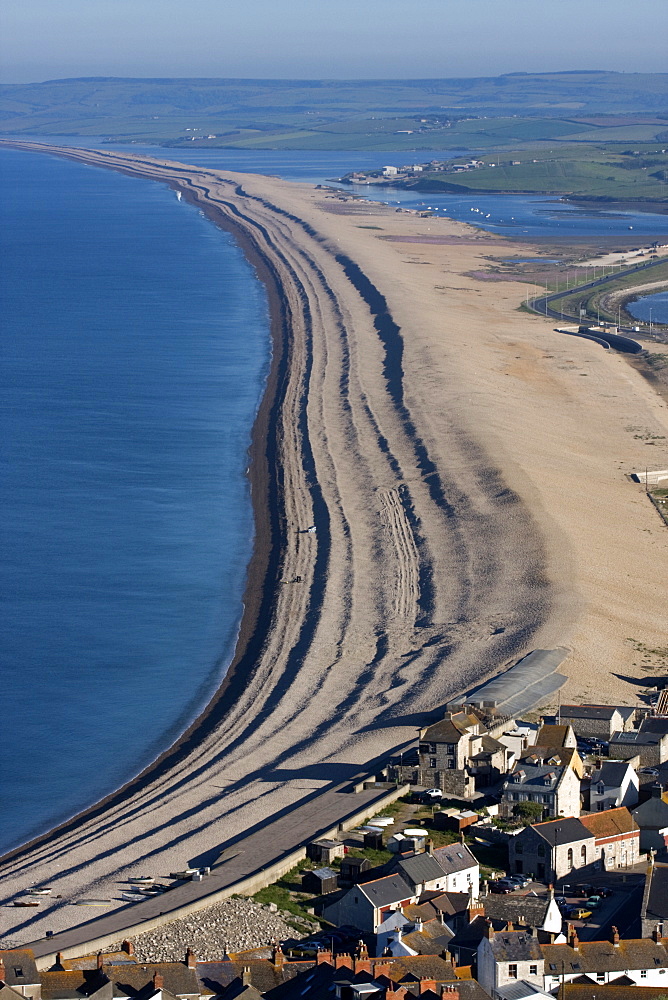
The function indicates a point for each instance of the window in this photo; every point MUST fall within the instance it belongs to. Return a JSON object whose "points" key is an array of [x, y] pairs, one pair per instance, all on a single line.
{"points": [[600, 806], [541, 851], [600, 977], [541, 871], [518, 867], [512, 972], [432, 762], [643, 973], [451, 765], [519, 849], [451, 747], [533, 970], [583, 854], [570, 857]]}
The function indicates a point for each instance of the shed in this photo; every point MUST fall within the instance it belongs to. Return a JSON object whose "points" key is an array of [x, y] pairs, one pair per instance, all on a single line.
{"points": [[455, 822], [352, 869], [325, 851], [320, 881]]}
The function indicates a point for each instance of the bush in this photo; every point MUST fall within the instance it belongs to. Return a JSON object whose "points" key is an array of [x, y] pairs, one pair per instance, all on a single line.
{"points": [[529, 812]]}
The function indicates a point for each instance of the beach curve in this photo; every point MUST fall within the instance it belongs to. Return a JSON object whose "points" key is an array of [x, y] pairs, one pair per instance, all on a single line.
{"points": [[427, 570]]}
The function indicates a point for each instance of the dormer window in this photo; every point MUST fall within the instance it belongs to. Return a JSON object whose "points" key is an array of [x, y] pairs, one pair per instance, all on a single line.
{"points": [[600, 788]]}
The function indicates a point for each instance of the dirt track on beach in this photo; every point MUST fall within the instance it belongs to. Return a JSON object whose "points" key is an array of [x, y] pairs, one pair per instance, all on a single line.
{"points": [[468, 493]]}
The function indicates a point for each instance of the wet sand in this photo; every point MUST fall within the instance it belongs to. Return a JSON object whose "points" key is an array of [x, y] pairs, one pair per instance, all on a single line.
{"points": [[464, 467]]}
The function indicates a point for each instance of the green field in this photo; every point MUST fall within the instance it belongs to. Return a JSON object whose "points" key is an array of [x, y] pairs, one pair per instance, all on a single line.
{"points": [[476, 113], [639, 174]]}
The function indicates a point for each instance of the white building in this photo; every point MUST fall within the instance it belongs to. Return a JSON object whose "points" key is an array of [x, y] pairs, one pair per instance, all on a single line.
{"points": [[613, 784]]}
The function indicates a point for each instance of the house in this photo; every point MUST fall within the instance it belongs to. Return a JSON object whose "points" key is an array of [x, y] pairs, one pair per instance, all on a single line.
{"points": [[367, 904], [19, 973], [652, 818], [457, 755], [110, 979], [617, 837], [654, 911], [320, 881], [556, 737], [556, 789], [614, 783], [651, 747], [555, 757], [597, 720], [390, 171], [552, 850], [387, 978], [506, 957], [643, 961], [233, 978]]}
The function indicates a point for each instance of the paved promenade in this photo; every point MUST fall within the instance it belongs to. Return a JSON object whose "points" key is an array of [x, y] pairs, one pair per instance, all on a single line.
{"points": [[249, 856]]}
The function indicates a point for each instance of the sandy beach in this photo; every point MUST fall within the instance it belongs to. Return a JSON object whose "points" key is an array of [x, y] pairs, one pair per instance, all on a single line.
{"points": [[469, 494]]}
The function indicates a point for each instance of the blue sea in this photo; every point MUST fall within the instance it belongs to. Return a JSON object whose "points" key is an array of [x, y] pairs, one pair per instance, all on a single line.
{"points": [[135, 348]]}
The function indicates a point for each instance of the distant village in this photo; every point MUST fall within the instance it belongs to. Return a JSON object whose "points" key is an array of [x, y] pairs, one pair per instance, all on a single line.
{"points": [[411, 172], [515, 859]]}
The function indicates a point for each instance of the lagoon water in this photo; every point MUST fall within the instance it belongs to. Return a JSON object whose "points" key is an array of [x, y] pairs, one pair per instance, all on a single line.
{"points": [[136, 346], [650, 308]]}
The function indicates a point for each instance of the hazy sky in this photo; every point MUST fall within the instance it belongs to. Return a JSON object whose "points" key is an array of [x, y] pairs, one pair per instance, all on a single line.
{"points": [[48, 39]]}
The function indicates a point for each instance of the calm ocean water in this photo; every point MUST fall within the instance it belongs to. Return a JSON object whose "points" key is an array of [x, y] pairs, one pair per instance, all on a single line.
{"points": [[135, 347]]}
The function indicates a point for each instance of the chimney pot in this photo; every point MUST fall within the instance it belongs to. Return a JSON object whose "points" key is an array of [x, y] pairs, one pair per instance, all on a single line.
{"points": [[615, 936]]}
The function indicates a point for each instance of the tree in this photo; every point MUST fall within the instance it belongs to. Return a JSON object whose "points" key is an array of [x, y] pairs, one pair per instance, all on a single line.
{"points": [[529, 812]]}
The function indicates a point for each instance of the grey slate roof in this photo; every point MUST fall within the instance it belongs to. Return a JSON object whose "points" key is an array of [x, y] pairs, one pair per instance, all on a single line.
{"points": [[534, 777], [602, 956], [659, 726], [515, 946], [652, 814], [20, 968], [562, 831], [605, 712], [612, 773], [388, 890], [529, 910], [421, 868], [656, 894], [635, 738], [455, 858]]}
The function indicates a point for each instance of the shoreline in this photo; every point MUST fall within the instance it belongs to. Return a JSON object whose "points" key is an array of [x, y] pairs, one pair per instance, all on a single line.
{"points": [[264, 563]]}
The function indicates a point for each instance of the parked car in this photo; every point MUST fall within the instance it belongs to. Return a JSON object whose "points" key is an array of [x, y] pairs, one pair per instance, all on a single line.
{"points": [[583, 890], [579, 913], [500, 888], [521, 881], [561, 901], [593, 902], [604, 891], [432, 795]]}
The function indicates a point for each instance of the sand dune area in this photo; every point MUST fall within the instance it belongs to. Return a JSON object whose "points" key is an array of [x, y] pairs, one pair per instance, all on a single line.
{"points": [[470, 502]]}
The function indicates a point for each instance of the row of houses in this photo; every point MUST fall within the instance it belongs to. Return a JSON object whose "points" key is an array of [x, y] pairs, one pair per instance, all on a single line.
{"points": [[508, 964]]}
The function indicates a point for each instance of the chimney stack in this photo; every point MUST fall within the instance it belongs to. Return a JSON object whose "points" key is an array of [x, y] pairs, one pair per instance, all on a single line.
{"points": [[449, 992], [246, 978], [277, 957], [128, 947], [158, 981], [657, 933], [2, 970], [343, 961], [323, 958], [191, 958], [429, 846], [427, 984], [489, 929], [573, 939], [59, 959], [100, 960], [615, 936]]}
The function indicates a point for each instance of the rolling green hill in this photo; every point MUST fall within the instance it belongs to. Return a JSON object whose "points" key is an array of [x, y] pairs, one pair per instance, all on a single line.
{"points": [[341, 114]]}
